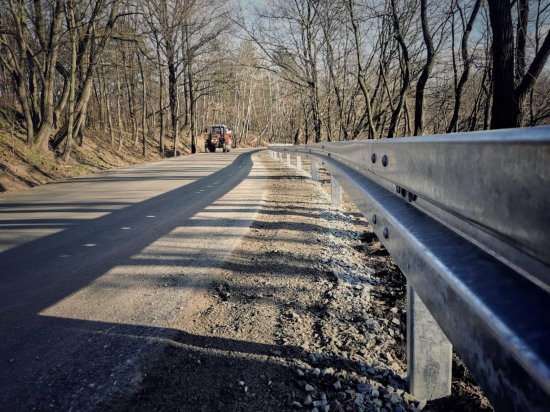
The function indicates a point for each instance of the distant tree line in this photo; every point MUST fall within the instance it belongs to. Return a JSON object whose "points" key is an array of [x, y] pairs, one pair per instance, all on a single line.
{"points": [[159, 72], [386, 68]]}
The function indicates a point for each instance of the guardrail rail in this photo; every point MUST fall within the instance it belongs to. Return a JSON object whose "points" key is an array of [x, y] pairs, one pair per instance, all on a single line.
{"points": [[466, 217]]}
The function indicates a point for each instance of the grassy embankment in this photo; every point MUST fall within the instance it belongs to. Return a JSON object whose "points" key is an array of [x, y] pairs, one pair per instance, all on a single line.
{"points": [[22, 167]]}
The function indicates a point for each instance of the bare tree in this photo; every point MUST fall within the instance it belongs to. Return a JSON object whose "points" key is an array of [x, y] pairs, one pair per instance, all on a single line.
{"points": [[511, 83], [466, 64]]}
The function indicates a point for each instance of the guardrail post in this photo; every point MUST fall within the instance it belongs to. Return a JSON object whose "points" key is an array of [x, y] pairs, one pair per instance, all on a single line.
{"points": [[314, 170], [299, 162], [336, 193], [281, 157], [288, 159], [429, 352]]}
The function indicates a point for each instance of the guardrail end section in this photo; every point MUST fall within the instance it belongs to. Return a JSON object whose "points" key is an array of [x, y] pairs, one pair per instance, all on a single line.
{"points": [[429, 352]]}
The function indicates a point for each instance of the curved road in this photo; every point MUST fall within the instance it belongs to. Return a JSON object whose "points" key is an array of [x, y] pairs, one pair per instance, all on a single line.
{"points": [[94, 270]]}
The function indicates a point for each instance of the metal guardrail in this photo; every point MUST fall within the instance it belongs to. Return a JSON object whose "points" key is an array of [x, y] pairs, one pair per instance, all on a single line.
{"points": [[467, 219]]}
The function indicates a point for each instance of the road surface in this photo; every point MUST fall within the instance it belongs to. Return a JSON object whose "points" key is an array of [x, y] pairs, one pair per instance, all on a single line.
{"points": [[94, 270]]}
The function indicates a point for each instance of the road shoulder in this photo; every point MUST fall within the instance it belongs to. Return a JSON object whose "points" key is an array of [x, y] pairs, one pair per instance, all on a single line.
{"points": [[308, 312]]}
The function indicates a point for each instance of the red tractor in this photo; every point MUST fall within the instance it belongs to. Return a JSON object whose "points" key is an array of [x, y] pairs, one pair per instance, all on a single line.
{"points": [[219, 137]]}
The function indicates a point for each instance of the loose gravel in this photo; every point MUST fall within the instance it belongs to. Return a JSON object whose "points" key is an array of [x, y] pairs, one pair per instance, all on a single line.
{"points": [[308, 313]]}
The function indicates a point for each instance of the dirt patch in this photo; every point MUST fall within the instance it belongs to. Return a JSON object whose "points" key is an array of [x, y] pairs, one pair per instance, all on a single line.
{"points": [[308, 313]]}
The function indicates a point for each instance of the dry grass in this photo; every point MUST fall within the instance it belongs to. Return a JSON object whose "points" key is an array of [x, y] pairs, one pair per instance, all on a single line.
{"points": [[23, 167]]}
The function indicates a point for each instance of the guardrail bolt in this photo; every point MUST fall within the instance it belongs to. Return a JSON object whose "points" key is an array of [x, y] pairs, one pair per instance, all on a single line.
{"points": [[403, 192], [374, 219], [384, 160], [373, 158], [412, 197], [386, 233], [329, 155]]}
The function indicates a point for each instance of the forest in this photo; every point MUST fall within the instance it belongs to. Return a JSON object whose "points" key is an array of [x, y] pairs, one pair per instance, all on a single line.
{"points": [[155, 74]]}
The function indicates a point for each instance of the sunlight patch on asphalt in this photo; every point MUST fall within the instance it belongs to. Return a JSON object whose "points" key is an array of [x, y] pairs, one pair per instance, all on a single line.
{"points": [[168, 270]]}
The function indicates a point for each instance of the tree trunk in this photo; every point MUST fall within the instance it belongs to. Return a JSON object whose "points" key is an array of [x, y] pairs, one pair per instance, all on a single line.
{"points": [[504, 112], [361, 75], [192, 115], [107, 101], [426, 70], [143, 107], [161, 102], [100, 97], [173, 96], [190, 91], [521, 39], [119, 112], [406, 73], [48, 93], [130, 93], [71, 23], [466, 73], [530, 77], [88, 56]]}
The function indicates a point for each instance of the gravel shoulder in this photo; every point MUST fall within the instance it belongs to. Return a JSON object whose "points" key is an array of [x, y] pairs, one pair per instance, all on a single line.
{"points": [[307, 313]]}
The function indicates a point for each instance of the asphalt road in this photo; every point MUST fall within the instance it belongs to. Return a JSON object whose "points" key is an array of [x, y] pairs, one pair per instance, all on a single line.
{"points": [[94, 270]]}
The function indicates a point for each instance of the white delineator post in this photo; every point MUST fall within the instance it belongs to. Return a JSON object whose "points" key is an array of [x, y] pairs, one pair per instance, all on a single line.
{"points": [[299, 162], [314, 170], [335, 192], [429, 352]]}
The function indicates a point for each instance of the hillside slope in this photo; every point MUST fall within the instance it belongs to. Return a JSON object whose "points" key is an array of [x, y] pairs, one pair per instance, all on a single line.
{"points": [[22, 167]]}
